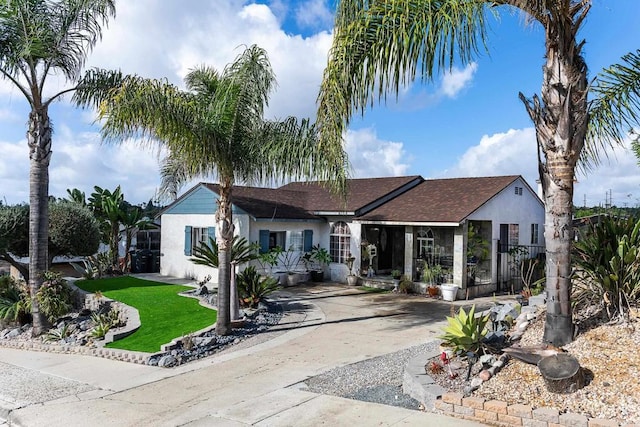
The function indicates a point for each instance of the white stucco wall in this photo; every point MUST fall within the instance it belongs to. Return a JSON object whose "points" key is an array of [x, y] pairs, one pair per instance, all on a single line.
{"points": [[173, 261], [509, 208]]}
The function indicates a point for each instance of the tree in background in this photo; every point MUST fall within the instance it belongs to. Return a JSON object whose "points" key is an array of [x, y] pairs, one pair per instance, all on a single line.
{"points": [[214, 128], [39, 39], [73, 231], [381, 45]]}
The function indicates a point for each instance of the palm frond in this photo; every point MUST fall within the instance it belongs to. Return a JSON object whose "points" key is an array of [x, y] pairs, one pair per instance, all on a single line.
{"points": [[380, 46], [615, 109]]}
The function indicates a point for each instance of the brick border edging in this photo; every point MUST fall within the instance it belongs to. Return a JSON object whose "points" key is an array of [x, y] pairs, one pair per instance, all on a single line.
{"points": [[499, 413]]}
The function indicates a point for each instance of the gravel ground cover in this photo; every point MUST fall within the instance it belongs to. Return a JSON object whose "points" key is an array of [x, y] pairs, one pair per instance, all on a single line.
{"points": [[610, 354], [377, 380]]}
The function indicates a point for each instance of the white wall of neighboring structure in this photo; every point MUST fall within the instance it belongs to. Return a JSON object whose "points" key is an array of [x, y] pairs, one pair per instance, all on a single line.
{"points": [[511, 207]]}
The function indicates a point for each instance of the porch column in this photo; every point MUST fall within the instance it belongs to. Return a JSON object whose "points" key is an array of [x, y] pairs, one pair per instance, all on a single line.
{"points": [[408, 250], [460, 256]]}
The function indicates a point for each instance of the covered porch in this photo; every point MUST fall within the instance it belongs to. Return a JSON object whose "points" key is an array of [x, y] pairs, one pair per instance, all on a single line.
{"points": [[430, 254]]}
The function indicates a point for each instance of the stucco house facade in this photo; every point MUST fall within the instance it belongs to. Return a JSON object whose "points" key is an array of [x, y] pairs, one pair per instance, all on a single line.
{"points": [[405, 222]]}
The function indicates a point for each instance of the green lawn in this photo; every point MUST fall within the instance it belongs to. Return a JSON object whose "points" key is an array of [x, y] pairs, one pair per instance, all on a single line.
{"points": [[164, 315]]}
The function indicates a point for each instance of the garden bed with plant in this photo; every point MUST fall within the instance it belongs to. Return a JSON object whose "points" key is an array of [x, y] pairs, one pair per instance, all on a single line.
{"points": [[606, 303]]}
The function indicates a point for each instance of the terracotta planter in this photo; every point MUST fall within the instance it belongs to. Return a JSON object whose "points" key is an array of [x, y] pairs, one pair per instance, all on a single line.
{"points": [[432, 291]]}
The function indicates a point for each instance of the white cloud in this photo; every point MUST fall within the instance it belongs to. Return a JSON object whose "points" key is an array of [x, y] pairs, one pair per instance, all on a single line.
{"points": [[509, 153], [175, 39], [314, 14], [454, 81], [79, 160], [373, 157], [514, 153]]}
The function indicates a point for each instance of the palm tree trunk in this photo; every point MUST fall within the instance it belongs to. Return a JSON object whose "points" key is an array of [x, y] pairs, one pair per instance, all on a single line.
{"points": [[224, 222], [561, 125], [39, 140]]}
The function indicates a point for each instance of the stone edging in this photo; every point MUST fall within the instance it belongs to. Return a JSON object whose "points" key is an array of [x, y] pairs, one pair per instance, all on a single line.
{"points": [[499, 413], [97, 350]]}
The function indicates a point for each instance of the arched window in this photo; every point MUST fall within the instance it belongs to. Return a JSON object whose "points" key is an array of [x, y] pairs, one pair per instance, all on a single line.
{"points": [[340, 242], [425, 244]]}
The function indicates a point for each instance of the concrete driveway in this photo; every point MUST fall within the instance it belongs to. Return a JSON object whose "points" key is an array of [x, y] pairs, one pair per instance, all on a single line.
{"points": [[324, 326]]}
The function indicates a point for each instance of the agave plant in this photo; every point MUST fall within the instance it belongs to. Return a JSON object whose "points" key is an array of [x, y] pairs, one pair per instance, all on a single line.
{"points": [[465, 332]]}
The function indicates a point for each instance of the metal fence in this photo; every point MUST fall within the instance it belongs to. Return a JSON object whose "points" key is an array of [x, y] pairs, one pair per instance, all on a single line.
{"points": [[518, 264]]}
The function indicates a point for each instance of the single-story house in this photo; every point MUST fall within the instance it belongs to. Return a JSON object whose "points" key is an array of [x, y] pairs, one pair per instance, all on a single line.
{"points": [[475, 229]]}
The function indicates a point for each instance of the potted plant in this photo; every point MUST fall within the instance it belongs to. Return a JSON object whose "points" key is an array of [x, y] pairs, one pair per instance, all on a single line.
{"points": [[352, 279], [290, 259], [268, 260], [322, 257]]}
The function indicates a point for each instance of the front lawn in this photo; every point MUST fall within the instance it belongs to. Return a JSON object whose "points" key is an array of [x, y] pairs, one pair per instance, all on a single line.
{"points": [[164, 315]]}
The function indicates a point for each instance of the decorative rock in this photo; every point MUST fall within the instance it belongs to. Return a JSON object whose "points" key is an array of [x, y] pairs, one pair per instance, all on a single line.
{"points": [[476, 382], [498, 364], [522, 326], [530, 316], [167, 361], [485, 375], [516, 335], [13, 333], [487, 359]]}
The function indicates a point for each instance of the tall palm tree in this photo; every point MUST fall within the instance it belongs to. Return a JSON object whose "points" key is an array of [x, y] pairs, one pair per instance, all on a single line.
{"points": [[380, 45], [39, 38], [214, 128]]}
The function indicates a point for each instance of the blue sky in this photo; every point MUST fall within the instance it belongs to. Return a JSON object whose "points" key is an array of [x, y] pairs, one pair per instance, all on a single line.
{"points": [[468, 122]]}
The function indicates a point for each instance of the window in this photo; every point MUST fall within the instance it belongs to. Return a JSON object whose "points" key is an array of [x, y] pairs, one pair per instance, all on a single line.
{"points": [[277, 238], [509, 236], [194, 236], [425, 244], [148, 240], [534, 234], [514, 234], [199, 236], [295, 241], [518, 191], [340, 242]]}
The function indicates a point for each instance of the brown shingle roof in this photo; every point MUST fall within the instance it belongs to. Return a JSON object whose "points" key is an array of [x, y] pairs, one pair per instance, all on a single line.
{"points": [[361, 192], [441, 200], [268, 202]]}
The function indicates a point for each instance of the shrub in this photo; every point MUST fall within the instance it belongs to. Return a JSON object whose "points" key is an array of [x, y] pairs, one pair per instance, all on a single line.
{"points": [[15, 304], [252, 287], [406, 285], [54, 296], [608, 267], [465, 332]]}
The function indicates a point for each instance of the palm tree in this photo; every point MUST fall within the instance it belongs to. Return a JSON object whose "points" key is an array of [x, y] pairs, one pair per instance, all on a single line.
{"points": [[380, 45], [214, 128], [39, 38]]}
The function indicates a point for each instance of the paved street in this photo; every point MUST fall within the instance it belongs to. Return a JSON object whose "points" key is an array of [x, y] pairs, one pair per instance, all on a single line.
{"points": [[324, 326]]}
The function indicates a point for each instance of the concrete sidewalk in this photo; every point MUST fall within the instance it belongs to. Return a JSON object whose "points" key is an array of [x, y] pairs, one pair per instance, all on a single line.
{"points": [[325, 326]]}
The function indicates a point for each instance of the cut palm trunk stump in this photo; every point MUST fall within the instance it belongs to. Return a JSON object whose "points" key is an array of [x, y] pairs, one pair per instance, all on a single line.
{"points": [[562, 373]]}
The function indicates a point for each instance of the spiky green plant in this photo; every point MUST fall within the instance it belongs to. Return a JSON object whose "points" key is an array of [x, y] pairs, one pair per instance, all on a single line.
{"points": [[608, 266], [252, 287], [465, 332]]}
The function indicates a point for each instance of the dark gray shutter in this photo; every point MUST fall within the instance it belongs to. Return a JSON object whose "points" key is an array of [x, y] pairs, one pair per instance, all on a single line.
{"points": [[211, 234], [264, 241], [308, 240]]}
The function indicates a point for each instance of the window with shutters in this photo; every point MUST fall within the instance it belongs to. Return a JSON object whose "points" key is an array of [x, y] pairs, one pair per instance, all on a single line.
{"points": [[200, 235], [295, 241]]}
